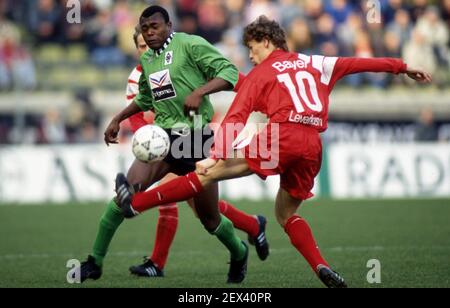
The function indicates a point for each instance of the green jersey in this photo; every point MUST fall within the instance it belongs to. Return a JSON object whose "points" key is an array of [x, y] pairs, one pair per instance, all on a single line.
{"points": [[169, 75]]}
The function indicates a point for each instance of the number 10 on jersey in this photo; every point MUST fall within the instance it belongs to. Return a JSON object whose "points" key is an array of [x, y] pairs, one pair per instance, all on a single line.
{"points": [[301, 99]]}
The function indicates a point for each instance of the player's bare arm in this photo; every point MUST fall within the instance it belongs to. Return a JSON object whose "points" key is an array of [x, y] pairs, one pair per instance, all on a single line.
{"points": [[112, 131], [194, 100]]}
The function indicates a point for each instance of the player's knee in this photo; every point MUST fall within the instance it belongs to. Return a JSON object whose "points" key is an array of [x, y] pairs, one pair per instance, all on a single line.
{"points": [[136, 181], [210, 223], [169, 177], [207, 179], [281, 219], [284, 214]]}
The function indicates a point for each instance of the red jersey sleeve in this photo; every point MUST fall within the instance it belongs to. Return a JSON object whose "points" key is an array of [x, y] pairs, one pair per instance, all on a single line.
{"points": [[348, 66], [234, 122], [241, 80], [137, 121]]}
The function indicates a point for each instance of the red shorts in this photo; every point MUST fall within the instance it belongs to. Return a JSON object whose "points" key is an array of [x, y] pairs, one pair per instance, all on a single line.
{"points": [[297, 157]]}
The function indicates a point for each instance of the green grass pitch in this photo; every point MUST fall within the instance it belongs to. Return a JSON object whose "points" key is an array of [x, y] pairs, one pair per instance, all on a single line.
{"points": [[411, 239]]}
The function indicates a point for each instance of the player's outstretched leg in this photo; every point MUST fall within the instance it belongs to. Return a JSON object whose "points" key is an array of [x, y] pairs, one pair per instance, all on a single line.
{"points": [[303, 240], [254, 226]]}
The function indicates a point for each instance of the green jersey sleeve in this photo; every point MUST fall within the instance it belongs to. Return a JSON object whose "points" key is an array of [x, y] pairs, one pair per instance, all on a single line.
{"points": [[144, 99], [211, 62]]}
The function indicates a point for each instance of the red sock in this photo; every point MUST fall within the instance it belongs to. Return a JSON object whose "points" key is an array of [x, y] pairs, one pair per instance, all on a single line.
{"points": [[179, 189], [240, 220], [301, 237], [165, 233]]}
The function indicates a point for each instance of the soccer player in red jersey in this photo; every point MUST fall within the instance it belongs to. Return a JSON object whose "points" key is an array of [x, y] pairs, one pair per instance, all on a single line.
{"points": [[293, 91]]}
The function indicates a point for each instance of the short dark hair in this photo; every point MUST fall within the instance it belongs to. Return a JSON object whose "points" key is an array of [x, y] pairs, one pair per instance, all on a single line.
{"points": [[137, 32], [264, 28], [151, 10]]}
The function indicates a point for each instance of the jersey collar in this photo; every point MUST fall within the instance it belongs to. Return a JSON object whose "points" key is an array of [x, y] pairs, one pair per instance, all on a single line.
{"points": [[276, 53], [166, 44]]}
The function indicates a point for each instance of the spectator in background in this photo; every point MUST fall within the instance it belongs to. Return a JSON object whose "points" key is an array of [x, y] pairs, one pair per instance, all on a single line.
{"points": [[44, 21], [81, 118], [235, 10], [389, 9], [419, 53], [299, 37], [290, 10], [392, 45], [445, 12], [186, 6], [376, 34], [102, 41], [418, 8], [74, 32], [124, 21], [89, 133], [257, 8], [325, 38], [188, 23], [436, 34], [339, 10], [347, 33], [16, 66], [393, 49], [212, 20], [53, 128], [6, 123], [401, 26], [313, 10], [426, 130], [232, 48], [103, 4], [363, 49]]}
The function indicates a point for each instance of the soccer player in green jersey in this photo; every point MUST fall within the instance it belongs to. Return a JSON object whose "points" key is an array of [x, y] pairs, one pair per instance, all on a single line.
{"points": [[178, 73]]}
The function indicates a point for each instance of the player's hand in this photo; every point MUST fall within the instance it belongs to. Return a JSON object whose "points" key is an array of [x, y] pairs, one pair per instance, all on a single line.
{"points": [[112, 132], [204, 165], [419, 75], [192, 103]]}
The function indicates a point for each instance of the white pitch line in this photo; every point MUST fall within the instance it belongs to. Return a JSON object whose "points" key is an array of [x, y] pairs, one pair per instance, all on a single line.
{"points": [[201, 252]]}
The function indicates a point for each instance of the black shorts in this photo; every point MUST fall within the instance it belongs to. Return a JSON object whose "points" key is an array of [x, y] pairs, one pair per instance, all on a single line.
{"points": [[188, 147]]}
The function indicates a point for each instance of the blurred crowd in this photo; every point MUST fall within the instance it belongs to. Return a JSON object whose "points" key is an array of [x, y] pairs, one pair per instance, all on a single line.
{"points": [[416, 30], [79, 122]]}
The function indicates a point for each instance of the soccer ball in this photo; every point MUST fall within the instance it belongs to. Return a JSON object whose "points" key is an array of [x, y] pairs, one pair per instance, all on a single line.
{"points": [[150, 143]]}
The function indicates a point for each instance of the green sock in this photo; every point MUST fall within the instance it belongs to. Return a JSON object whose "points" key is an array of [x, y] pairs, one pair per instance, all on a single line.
{"points": [[110, 221], [225, 233]]}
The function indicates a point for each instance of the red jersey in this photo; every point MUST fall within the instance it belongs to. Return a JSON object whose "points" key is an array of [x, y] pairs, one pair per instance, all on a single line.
{"points": [[136, 121], [295, 88]]}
